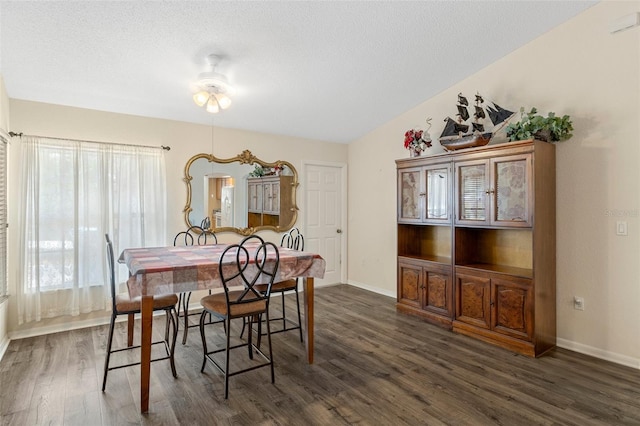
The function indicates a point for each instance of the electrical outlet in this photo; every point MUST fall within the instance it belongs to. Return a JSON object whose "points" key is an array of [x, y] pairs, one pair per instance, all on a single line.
{"points": [[578, 303]]}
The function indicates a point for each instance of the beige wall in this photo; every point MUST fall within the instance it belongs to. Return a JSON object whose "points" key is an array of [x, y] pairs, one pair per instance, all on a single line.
{"points": [[4, 106], [577, 69], [185, 140]]}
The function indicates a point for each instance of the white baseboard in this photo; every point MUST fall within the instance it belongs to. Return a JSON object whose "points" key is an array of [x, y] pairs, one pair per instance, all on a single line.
{"points": [[387, 293], [3, 347], [599, 353], [56, 328]]}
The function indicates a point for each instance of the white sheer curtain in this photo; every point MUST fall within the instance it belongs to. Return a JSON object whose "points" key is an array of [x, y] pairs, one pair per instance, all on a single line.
{"points": [[73, 193]]}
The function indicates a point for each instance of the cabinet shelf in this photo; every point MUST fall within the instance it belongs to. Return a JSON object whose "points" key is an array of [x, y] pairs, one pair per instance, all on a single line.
{"points": [[506, 247], [443, 260], [501, 269], [426, 242]]}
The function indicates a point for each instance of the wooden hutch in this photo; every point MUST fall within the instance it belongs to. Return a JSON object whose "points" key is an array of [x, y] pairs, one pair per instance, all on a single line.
{"points": [[476, 243]]}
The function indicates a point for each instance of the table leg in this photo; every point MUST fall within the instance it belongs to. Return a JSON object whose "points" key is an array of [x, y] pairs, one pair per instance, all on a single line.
{"points": [[145, 351], [130, 323], [308, 316]]}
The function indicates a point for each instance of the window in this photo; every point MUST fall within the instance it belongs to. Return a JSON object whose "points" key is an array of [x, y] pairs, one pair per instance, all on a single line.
{"points": [[74, 193]]}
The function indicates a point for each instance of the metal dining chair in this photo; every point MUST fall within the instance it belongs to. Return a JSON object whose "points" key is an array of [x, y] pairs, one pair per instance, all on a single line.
{"points": [[122, 304], [292, 240], [245, 265], [194, 235]]}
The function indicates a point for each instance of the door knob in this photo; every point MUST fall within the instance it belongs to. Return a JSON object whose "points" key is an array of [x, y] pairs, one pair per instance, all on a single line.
{"points": [[339, 231]]}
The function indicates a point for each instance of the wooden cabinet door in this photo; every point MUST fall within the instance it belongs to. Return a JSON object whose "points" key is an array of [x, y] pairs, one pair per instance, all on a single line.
{"points": [[410, 195], [438, 291], [271, 197], [473, 300], [267, 197], [254, 190], [513, 307], [410, 283], [512, 191]]}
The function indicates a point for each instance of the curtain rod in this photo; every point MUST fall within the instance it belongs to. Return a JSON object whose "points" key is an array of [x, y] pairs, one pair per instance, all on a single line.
{"points": [[165, 147]]}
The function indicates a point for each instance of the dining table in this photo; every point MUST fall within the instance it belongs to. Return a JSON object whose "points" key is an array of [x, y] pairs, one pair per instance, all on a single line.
{"points": [[154, 271]]}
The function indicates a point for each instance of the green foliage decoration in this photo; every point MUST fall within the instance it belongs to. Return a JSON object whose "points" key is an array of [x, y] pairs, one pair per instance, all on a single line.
{"points": [[534, 126], [258, 171]]}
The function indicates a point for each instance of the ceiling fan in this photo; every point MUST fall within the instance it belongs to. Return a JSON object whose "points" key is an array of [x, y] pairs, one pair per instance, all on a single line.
{"points": [[213, 88]]}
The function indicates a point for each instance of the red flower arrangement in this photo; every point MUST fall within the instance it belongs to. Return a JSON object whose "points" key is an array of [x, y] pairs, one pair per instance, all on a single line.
{"points": [[417, 140]]}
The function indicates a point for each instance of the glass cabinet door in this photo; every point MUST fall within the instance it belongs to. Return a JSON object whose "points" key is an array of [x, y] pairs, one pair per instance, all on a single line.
{"points": [[512, 190], [437, 194], [410, 195], [472, 192]]}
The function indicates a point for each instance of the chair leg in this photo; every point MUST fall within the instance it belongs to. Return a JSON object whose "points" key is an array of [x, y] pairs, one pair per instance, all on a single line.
{"points": [[204, 340], [273, 376], [130, 323], [226, 363], [249, 338], [259, 321], [174, 325], [166, 326], [180, 295], [108, 354], [185, 302], [244, 325], [299, 316], [284, 313]]}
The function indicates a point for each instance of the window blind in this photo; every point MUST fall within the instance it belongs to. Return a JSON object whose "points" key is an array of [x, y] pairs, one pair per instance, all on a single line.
{"points": [[472, 197]]}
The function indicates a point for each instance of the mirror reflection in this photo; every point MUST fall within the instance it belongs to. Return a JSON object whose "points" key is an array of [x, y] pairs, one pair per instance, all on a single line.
{"points": [[242, 194]]}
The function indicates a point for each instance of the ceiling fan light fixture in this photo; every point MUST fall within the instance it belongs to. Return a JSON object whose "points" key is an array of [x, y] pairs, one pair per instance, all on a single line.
{"points": [[214, 89], [212, 105], [201, 98], [223, 100]]}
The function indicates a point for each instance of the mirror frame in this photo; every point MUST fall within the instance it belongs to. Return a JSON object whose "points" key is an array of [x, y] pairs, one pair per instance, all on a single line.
{"points": [[246, 157]]}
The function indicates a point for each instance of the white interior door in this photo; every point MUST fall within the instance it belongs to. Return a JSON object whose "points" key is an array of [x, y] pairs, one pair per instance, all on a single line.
{"points": [[323, 217]]}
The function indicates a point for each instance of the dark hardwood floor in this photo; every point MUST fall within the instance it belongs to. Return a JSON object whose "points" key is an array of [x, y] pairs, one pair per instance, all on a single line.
{"points": [[372, 366]]}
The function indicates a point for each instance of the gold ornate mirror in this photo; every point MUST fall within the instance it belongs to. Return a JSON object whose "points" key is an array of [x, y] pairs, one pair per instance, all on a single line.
{"points": [[223, 195]]}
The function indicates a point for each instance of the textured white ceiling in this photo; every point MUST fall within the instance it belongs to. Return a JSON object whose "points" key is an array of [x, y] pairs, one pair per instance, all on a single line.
{"points": [[318, 69]]}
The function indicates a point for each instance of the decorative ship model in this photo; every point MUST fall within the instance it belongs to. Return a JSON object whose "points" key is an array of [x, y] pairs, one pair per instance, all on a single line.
{"points": [[457, 134]]}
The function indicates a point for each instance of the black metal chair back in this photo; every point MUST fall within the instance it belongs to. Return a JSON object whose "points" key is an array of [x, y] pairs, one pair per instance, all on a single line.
{"points": [[293, 240], [195, 234], [207, 237], [237, 268], [206, 223], [183, 238]]}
